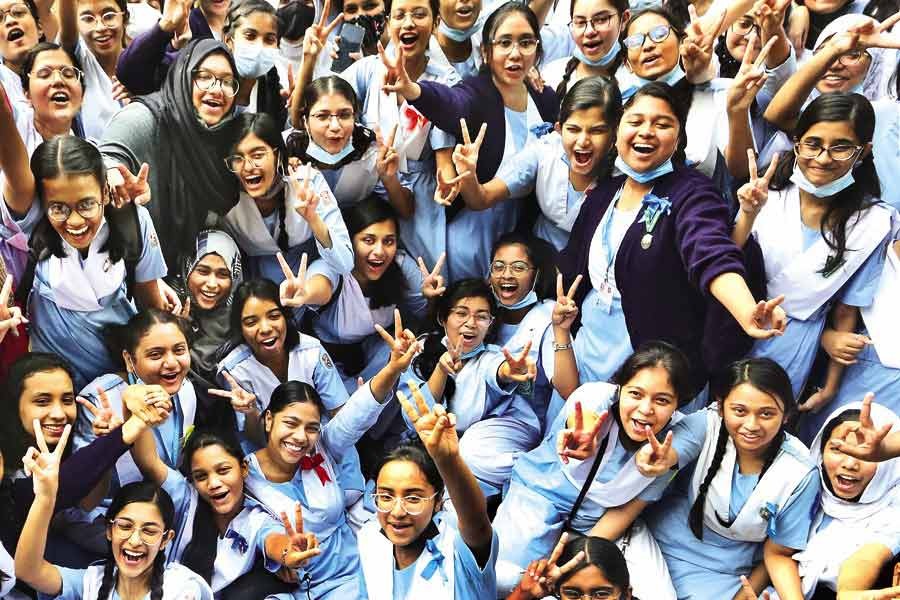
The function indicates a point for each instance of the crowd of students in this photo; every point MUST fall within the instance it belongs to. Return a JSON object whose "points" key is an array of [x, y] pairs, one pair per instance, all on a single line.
{"points": [[450, 299]]}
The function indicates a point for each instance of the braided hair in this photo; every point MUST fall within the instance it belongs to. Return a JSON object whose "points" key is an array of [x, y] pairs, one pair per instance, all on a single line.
{"points": [[768, 377]]}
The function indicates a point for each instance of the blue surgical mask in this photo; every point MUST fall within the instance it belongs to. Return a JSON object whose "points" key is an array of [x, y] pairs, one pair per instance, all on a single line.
{"points": [[466, 355], [253, 60], [646, 177], [323, 156], [602, 61], [822, 191], [670, 78], [461, 35], [637, 6]]}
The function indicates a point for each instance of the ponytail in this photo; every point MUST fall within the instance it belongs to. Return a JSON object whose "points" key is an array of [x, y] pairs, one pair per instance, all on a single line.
{"points": [[282, 240], [695, 518], [156, 578], [108, 582], [567, 74]]}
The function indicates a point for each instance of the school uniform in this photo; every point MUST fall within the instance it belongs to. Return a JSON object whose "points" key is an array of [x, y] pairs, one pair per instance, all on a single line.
{"points": [[318, 486], [257, 235], [466, 68], [543, 490], [841, 527], [795, 256], [15, 231], [445, 569], [777, 506], [98, 105], [886, 148], [73, 299], [179, 583], [7, 586]]}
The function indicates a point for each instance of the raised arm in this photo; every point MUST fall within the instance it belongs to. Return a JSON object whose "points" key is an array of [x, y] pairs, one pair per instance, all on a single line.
{"points": [[68, 24], [752, 197], [18, 181], [565, 368], [149, 400], [749, 81], [477, 196], [314, 41]]}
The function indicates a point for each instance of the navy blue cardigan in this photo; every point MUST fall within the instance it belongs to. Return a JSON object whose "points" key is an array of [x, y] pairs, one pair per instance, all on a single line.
{"points": [[478, 100], [665, 288]]}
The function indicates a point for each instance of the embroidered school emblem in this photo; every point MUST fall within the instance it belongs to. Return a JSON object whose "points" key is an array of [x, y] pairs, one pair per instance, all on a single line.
{"points": [[326, 360], [154, 241]]}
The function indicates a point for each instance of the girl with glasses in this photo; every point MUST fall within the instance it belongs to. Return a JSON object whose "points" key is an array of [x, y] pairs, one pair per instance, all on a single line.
{"points": [[415, 549], [461, 369], [821, 227], [23, 29]]}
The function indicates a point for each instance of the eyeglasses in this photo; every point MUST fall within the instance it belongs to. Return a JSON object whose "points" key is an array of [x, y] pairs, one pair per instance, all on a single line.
{"points": [[16, 11], [59, 212], [483, 319], [110, 20], [743, 27], [206, 81], [657, 35], [850, 58], [526, 45], [599, 22], [411, 505], [573, 594], [324, 118], [124, 529], [68, 73], [812, 150], [235, 163], [498, 267], [420, 15]]}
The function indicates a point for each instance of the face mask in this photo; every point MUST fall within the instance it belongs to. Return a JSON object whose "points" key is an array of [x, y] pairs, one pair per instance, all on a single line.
{"points": [[527, 300], [253, 60], [670, 78], [374, 27], [320, 154], [637, 6], [292, 52], [466, 355], [664, 169], [601, 62], [821, 191], [461, 35]]}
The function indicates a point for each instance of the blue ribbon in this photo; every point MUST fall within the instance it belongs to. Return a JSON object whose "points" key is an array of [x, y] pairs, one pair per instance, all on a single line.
{"points": [[542, 129], [654, 208], [768, 512], [238, 542], [436, 563]]}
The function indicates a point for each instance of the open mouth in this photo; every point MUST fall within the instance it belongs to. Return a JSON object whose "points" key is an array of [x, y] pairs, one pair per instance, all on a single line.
{"points": [[211, 296], [644, 149], [408, 39], [592, 45], [78, 234], [639, 425], [53, 431], [464, 12], [508, 290], [132, 558], [846, 482], [400, 529], [650, 60], [219, 497], [60, 97], [213, 103], [750, 438], [292, 448], [376, 264], [269, 343], [103, 39], [253, 180], [468, 339], [171, 377], [15, 34], [583, 158]]}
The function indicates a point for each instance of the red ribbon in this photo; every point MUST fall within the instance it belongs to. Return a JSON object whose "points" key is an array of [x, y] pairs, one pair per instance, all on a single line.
{"points": [[315, 462], [414, 119]]}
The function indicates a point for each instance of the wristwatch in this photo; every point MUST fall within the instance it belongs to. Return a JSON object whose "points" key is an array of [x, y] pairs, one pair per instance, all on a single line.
{"points": [[560, 347]]}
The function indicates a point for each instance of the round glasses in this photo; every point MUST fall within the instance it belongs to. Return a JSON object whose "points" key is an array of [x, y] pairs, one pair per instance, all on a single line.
{"points": [[110, 20], [235, 163], [411, 505], [206, 81], [743, 27], [67, 72], [657, 35], [526, 45], [599, 22], [59, 212], [462, 315], [813, 150], [125, 528], [498, 267], [16, 11]]}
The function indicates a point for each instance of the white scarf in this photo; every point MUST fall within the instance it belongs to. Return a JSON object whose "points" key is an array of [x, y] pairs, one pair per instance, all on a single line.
{"points": [[854, 523], [772, 491], [80, 285], [354, 319], [705, 137], [175, 579], [795, 272], [376, 553], [880, 316]]}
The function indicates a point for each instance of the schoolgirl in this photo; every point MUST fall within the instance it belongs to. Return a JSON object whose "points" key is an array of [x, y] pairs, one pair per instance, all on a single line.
{"points": [[137, 566], [512, 110], [823, 209], [854, 535], [23, 31], [301, 462], [753, 488], [277, 211], [461, 369], [823, 13], [220, 532], [155, 353], [88, 258], [457, 38], [559, 167], [548, 492], [414, 550]]}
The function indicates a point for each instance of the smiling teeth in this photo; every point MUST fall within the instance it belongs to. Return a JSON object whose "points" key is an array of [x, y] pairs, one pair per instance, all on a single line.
{"points": [[77, 231]]}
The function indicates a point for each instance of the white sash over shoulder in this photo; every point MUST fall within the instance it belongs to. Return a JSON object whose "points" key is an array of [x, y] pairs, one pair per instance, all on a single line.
{"points": [[881, 316], [176, 580], [78, 284]]}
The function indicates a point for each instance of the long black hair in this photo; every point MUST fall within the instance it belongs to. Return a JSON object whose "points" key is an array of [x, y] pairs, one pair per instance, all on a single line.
{"points": [[657, 353], [596, 92], [391, 288], [496, 19], [621, 6], [291, 392], [767, 376], [140, 491], [264, 289], [542, 256], [863, 193], [598, 552], [126, 337]]}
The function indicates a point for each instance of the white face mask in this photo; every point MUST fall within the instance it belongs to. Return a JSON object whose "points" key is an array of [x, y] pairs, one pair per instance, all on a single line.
{"points": [[291, 51], [253, 60]]}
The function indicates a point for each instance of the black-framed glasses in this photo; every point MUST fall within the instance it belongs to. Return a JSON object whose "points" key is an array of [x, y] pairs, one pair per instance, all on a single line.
{"points": [[125, 528], [324, 117], [498, 267], [59, 212], [67, 72], [16, 11], [526, 45], [657, 35], [206, 81], [850, 58], [235, 163], [411, 505], [110, 19], [744, 26], [598, 22], [462, 315], [575, 594], [811, 150]]}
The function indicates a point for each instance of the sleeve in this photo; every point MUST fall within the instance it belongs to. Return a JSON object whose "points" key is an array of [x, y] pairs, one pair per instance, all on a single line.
{"points": [[794, 521], [322, 267], [151, 265], [777, 77], [129, 137], [80, 472], [440, 139], [340, 255], [350, 423], [181, 492], [480, 581], [444, 106], [265, 525], [328, 383], [140, 61], [415, 302], [12, 223], [688, 437], [72, 583], [860, 289], [655, 490], [520, 171], [491, 364]]}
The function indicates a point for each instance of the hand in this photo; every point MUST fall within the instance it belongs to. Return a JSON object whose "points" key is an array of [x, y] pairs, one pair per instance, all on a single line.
{"points": [[10, 317], [539, 579], [566, 310], [105, 420], [303, 545], [293, 290], [868, 444], [766, 320], [42, 465], [396, 79], [798, 28], [436, 427], [891, 593], [518, 369], [450, 362], [579, 443], [770, 16], [447, 189], [404, 346], [170, 300], [126, 187], [305, 197], [185, 310], [843, 346], [433, 282], [750, 78], [149, 403], [175, 15], [817, 401], [388, 161], [534, 79], [654, 459], [748, 593], [753, 195], [699, 41], [119, 92], [316, 35], [242, 401], [465, 155], [871, 34]]}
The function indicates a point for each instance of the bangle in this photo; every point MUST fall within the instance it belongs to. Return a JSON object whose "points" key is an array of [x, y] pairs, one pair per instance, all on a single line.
{"points": [[561, 347]]}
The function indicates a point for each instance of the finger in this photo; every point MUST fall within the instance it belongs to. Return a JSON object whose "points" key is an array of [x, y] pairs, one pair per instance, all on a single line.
{"points": [[889, 23], [480, 137], [562, 442], [298, 517], [770, 172], [285, 267], [667, 443], [5, 291], [558, 549], [439, 265], [771, 304], [559, 285], [465, 132], [421, 405], [599, 424], [286, 522], [422, 268], [39, 436], [459, 177], [301, 273], [389, 340], [61, 446], [748, 589], [509, 358], [398, 323], [576, 560], [337, 21], [89, 406], [104, 399], [220, 393], [651, 439], [764, 53], [579, 416], [865, 413], [143, 173], [751, 160], [692, 13], [442, 424], [525, 351], [408, 408], [745, 62], [574, 288], [390, 140]]}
